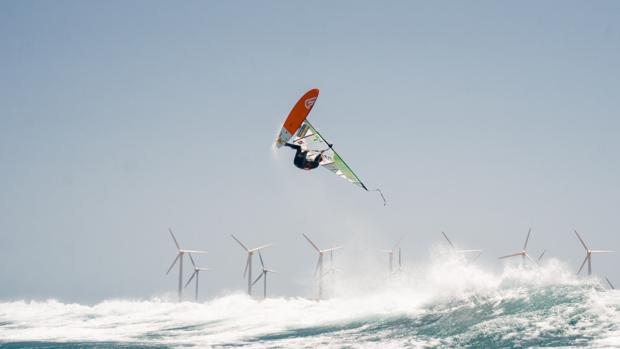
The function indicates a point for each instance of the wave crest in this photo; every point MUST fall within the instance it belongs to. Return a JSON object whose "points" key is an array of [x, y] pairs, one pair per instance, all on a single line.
{"points": [[449, 302]]}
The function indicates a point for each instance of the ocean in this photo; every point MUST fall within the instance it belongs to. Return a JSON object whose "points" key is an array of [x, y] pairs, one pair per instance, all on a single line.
{"points": [[446, 305]]}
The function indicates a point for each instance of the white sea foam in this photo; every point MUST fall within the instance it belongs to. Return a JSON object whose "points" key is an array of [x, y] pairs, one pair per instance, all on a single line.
{"points": [[518, 306]]}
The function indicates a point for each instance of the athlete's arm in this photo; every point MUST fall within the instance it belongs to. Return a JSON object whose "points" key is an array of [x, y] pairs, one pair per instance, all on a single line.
{"points": [[294, 146]]}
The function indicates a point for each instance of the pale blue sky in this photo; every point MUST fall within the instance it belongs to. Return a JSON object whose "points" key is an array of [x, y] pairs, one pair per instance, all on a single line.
{"points": [[120, 119]]}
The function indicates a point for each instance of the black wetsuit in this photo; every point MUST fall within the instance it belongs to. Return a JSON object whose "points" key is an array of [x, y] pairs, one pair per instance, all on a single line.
{"points": [[301, 158]]}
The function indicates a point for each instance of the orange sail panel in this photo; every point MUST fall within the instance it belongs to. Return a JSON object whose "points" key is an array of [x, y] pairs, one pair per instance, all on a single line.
{"points": [[297, 116]]}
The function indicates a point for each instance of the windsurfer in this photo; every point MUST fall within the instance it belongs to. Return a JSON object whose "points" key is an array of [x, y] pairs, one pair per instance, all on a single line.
{"points": [[303, 160]]}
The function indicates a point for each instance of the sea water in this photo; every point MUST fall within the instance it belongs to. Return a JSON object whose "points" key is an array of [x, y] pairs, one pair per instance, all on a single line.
{"points": [[451, 304]]}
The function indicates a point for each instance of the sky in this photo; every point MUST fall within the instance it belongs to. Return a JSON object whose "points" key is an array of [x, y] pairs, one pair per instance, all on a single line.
{"points": [[122, 119]]}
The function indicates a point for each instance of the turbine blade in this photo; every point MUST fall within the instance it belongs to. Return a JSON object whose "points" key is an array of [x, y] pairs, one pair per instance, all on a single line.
{"points": [[511, 255], [173, 263], [258, 278], [271, 271], [527, 239], [582, 264], [530, 258], [332, 249], [311, 243], [580, 239], [602, 251], [398, 242], [261, 259], [191, 277], [541, 255], [609, 282], [193, 251], [239, 242], [447, 239], [174, 239], [468, 251], [261, 247], [192, 259], [326, 273], [247, 264]]}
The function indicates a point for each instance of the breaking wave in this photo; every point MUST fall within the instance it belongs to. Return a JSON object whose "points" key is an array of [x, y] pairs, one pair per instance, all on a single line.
{"points": [[448, 304]]}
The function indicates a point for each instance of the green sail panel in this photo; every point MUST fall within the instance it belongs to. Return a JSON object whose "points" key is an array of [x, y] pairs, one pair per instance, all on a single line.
{"points": [[312, 139]]}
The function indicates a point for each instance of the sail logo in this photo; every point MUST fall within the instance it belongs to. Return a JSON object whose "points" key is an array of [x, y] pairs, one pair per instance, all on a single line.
{"points": [[309, 102]]}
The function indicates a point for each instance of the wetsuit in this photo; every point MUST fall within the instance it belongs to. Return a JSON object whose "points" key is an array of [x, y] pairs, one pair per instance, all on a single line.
{"points": [[301, 158]]}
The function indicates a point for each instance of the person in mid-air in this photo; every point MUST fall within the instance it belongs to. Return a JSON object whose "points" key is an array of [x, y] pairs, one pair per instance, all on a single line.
{"points": [[303, 161]]}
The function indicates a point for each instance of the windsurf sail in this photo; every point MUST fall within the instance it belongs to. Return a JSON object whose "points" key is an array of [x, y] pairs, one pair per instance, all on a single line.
{"points": [[297, 116], [312, 141]]}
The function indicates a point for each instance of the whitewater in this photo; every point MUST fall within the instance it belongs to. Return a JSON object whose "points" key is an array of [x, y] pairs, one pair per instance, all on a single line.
{"points": [[449, 303]]}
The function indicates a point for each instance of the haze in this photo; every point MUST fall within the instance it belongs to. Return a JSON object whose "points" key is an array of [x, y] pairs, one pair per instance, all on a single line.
{"points": [[121, 119]]}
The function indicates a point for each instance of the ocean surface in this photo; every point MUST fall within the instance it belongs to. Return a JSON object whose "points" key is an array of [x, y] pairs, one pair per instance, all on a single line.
{"points": [[448, 305]]}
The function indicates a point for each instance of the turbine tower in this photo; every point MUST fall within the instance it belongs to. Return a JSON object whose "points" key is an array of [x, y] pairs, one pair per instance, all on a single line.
{"points": [[180, 253], [332, 270], [461, 251], [318, 270], [523, 253], [390, 253], [248, 262], [196, 274], [588, 255], [263, 275]]}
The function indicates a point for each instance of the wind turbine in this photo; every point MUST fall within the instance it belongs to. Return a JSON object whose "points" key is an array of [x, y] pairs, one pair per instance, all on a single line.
{"points": [[180, 253], [523, 253], [390, 253], [196, 274], [461, 251], [588, 255], [263, 275], [248, 263], [319, 264]]}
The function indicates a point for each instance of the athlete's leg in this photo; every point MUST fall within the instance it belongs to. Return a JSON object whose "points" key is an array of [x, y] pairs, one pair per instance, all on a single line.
{"points": [[317, 160]]}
